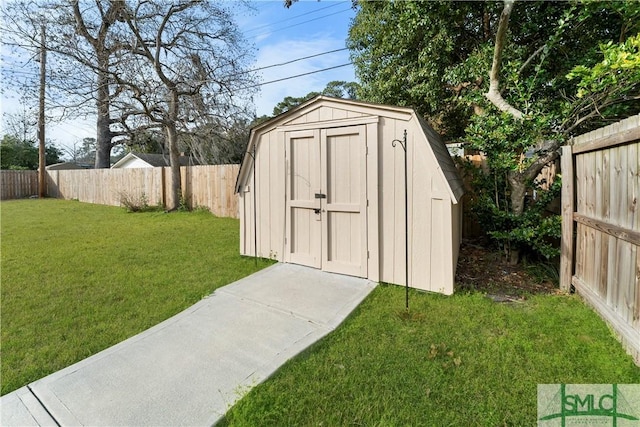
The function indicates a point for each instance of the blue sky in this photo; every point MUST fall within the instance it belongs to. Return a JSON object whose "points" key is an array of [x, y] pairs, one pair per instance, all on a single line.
{"points": [[279, 35], [307, 28]]}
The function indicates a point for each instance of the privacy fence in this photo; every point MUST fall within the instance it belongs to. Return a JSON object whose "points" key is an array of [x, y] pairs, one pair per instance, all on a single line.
{"points": [[18, 184], [211, 187], [601, 230]]}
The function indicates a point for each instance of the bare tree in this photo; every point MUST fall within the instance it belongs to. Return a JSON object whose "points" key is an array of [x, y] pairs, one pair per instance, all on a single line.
{"points": [[102, 47], [85, 42], [22, 123], [189, 70]]}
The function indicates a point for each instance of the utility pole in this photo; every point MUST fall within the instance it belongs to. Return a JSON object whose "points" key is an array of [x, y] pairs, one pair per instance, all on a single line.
{"points": [[42, 185]]}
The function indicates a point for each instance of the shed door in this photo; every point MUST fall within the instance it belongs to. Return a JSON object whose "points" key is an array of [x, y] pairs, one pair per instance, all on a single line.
{"points": [[303, 183], [344, 213], [327, 220]]}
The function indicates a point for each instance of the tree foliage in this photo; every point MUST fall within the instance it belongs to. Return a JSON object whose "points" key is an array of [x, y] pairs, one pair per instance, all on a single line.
{"points": [[336, 88], [514, 80], [21, 154]]}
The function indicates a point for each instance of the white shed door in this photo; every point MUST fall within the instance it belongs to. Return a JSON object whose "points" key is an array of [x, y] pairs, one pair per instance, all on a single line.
{"points": [[304, 217], [344, 213], [327, 199]]}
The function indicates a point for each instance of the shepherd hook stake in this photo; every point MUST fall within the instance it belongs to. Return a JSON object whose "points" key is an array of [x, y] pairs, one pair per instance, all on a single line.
{"points": [[255, 211], [403, 143]]}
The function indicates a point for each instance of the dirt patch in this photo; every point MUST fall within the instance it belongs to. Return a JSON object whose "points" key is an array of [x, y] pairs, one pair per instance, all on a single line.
{"points": [[484, 270]]}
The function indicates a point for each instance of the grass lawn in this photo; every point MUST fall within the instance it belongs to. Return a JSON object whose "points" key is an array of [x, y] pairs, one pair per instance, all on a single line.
{"points": [[454, 361], [78, 278]]}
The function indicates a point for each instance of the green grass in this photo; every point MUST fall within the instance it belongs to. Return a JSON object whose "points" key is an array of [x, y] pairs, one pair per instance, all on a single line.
{"points": [[78, 278], [454, 361]]}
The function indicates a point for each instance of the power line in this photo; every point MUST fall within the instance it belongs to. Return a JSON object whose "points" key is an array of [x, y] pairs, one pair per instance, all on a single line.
{"points": [[303, 22], [297, 75], [290, 62], [293, 17]]}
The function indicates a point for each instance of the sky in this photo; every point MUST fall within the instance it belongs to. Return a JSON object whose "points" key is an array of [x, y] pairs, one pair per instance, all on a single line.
{"points": [[278, 35], [305, 29]]}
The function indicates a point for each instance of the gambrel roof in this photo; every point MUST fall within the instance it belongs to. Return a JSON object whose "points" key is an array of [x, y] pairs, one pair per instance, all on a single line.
{"points": [[358, 109]]}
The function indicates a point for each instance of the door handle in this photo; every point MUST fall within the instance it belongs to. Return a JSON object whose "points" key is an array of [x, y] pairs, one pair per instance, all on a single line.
{"points": [[317, 210]]}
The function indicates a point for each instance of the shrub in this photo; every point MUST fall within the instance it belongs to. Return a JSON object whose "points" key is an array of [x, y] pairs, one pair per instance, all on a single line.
{"points": [[138, 204]]}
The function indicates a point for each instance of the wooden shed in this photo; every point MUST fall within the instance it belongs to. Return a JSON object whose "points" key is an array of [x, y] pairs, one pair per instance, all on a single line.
{"points": [[329, 189]]}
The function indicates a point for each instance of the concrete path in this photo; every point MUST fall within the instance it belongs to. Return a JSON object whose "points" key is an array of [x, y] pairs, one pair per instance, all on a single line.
{"points": [[191, 368]]}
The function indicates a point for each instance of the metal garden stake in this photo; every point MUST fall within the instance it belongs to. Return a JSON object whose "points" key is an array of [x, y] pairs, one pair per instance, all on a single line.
{"points": [[255, 209], [403, 143]]}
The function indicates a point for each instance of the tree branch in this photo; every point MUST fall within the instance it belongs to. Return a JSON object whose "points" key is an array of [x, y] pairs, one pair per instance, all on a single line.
{"points": [[531, 58], [493, 94]]}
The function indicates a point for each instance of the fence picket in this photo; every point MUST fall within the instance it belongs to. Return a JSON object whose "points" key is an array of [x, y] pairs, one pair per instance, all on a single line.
{"points": [[211, 187], [607, 259]]}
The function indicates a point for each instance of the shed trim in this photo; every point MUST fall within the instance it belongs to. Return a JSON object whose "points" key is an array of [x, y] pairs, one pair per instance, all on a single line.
{"points": [[331, 123], [447, 168]]}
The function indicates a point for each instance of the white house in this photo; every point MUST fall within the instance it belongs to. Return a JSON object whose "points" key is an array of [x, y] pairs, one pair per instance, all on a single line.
{"points": [[144, 160]]}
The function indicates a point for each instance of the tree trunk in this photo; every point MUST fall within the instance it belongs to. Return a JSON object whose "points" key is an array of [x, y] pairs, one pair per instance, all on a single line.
{"points": [[518, 184], [173, 201], [103, 135], [494, 94], [518, 187], [518, 192]]}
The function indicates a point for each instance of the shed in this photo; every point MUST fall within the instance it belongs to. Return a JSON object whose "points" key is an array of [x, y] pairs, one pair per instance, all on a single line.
{"points": [[330, 193], [145, 160]]}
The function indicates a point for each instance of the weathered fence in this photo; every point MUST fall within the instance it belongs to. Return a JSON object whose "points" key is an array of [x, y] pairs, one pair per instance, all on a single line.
{"points": [[601, 231], [471, 228], [202, 186], [18, 184]]}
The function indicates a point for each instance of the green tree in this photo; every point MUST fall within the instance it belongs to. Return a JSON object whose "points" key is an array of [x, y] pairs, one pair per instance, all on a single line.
{"points": [[16, 153], [336, 88], [501, 87]]}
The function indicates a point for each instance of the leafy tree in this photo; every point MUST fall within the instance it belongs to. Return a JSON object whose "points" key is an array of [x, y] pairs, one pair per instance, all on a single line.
{"points": [[336, 88], [16, 153], [502, 87], [87, 152]]}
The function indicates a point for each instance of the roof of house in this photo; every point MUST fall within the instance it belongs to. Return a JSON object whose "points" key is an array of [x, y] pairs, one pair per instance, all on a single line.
{"points": [[438, 147], [155, 160], [69, 166]]}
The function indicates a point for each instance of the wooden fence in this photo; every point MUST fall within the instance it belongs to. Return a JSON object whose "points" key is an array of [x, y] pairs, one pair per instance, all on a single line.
{"points": [[211, 187], [470, 226], [18, 184], [600, 226]]}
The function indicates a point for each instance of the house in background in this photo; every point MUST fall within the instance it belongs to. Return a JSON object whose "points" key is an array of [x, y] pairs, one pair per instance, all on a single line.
{"points": [[68, 166], [329, 191], [144, 160]]}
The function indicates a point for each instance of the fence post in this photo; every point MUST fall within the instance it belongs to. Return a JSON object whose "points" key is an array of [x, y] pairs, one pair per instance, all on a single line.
{"points": [[163, 183], [567, 245]]}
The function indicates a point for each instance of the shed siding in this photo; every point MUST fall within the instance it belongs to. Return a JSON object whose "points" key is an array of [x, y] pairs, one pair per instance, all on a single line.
{"points": [[391, 223], [434, 216], [270, 176]]}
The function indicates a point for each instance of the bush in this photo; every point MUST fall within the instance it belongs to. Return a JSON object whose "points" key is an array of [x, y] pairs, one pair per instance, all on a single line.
{"points": [[138, 204]]}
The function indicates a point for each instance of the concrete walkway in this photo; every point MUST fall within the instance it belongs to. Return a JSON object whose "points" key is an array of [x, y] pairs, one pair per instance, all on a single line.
{"points": [[191, 368]]}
